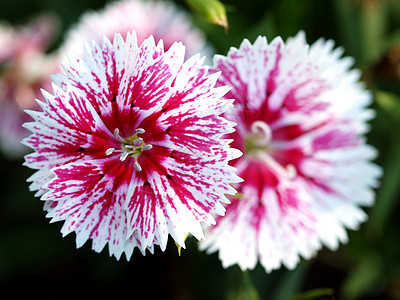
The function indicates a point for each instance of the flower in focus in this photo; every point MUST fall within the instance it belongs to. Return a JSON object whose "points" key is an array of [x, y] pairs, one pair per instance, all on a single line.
{"points": [[24, 69], [130, 150], [162, 19], [301, 115]]}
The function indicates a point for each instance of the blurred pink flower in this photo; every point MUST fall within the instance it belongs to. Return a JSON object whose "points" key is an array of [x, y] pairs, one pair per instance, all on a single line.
{"points": [[132, 150], [301, 115], [24, 69], [162, 19]]}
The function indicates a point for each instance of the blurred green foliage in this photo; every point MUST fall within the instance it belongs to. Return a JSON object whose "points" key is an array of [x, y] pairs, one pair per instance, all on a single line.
{"points": [[37, 263]]}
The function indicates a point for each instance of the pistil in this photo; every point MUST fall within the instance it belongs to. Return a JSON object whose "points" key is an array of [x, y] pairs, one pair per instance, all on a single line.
{"points": [[259, 138], [259, 144]]}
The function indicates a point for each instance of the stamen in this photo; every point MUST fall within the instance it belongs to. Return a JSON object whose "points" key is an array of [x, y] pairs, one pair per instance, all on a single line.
{"points": [[291, 170], [147, 147], [137, 166], [288, 172], [110, 151], [116, 133], [138, 141], [131, 146], [124, 155]]}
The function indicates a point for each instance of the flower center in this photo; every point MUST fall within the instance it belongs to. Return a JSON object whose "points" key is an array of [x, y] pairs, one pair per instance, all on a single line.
{"points": [[133, 146], [258, 144], [259, 138]]}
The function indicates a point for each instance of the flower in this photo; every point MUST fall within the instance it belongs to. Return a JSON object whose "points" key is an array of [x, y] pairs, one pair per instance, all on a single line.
{"points": [[129, 149], [24, 68], [162, 19], [301, 114]]}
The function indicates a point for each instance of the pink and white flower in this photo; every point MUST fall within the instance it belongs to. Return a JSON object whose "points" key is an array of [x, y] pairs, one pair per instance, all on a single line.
{"points": [[162, 19], [130, 150], [24, 69], [301, 115]]}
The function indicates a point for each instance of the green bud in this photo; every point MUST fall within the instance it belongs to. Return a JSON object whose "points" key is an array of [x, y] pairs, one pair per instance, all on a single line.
{"points": [[212, 10]]}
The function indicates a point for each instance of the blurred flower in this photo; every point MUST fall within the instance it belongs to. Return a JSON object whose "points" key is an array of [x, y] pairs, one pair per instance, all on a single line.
{"points": [[301, 116], [131, 150], [161, 19], [24, 69]]}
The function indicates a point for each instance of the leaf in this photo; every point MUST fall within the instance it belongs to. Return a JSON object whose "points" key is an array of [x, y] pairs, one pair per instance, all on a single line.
{"points": [[362, 278], [389, 189], [389, 102], [244, 289], [291, 281], [326, 293]]}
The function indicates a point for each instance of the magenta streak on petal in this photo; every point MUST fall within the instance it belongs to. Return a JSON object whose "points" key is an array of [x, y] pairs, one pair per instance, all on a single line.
{"points": [[122, 173], [142, 96], [143, 205], [179, 181], [96, 188], [144, 202], [196, 137], [258, 175], [99, 92], [71, 133], [287, 197], [307, 103], [335, 138], [288, 133], [229, 75], [153, 161], [265, 113], [288, 200], [146, 96], [271, 79], [289, 156], [193, 80]]}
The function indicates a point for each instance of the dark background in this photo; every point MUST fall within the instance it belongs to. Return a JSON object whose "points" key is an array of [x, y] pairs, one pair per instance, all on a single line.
{"points": [[37, 263]]}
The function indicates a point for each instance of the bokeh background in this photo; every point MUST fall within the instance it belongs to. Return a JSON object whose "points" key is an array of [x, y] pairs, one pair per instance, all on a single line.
{"points": [[37, 263]]}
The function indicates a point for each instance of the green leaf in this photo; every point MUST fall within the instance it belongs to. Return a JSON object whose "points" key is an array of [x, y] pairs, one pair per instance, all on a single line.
{"points": [[348, 26], [388, 102], [373, 27], [362, 278], [387, 194], [291, 282], [242, 287], [314, 294]]}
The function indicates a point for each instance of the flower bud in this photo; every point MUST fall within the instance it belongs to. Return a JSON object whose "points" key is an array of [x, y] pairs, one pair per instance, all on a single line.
{"points": [[212, 10]]}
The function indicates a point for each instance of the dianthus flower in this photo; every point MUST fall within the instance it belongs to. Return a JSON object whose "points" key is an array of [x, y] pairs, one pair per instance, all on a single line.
{"points": [[24, 68], [161, 19], [130, 149], [301, 114]]}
